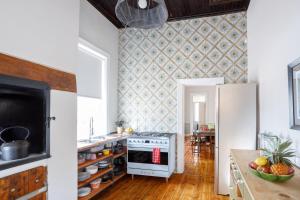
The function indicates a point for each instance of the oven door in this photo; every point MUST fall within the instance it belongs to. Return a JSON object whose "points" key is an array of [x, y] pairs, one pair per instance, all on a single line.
{"points": [[141, 158]]}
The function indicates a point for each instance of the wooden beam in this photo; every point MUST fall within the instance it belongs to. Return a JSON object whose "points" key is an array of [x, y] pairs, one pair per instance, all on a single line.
{"points": [[108, 14], [208, 14], [56, 79]]}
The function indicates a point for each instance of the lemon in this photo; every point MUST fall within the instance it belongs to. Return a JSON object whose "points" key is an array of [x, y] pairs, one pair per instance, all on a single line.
{"points": [[261, 161]]}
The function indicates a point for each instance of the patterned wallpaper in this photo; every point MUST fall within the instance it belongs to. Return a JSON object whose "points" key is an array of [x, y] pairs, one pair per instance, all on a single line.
{"points": [[150, 61]]}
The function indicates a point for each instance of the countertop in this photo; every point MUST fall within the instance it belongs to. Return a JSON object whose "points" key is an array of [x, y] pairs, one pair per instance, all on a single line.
{"points": [[262, 189], [82, 146]]}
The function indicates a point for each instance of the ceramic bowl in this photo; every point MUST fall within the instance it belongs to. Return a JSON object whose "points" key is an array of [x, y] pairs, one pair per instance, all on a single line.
{"points": [[106, 152], [271, 177], [84, 191], [96, 183], [92, 169]]}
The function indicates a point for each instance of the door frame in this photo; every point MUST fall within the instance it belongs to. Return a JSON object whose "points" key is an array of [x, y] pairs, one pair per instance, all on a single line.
{"points": [[181, 86]]}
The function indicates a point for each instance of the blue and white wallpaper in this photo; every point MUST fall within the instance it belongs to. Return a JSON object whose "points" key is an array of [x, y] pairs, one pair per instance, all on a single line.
{"points": [[150, 61]]}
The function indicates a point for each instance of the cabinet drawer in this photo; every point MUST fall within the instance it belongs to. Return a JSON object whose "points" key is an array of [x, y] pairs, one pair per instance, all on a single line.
{"points": [[4, 188], [37, 178], [18, 185]]}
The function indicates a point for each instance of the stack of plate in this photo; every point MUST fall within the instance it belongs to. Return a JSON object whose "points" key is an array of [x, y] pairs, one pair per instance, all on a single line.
{"points": [[103, 164], [82, 176]]}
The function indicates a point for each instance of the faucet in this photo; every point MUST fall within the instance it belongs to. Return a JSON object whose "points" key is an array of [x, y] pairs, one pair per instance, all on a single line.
{"points": [[91, 129]]}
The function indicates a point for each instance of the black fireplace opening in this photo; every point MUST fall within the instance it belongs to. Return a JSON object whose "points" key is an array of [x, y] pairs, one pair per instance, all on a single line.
{"points": [[25, 103]]}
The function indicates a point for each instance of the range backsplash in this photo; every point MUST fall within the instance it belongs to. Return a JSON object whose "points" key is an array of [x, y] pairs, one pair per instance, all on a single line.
{"points": [[150, 61]]}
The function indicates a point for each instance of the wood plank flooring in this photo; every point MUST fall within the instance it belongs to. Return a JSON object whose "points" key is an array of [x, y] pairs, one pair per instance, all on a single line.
{"points": [[197, 182]]}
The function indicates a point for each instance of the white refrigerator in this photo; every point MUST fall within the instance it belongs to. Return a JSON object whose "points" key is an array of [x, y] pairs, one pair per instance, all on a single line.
{"points": [[235, 127]]}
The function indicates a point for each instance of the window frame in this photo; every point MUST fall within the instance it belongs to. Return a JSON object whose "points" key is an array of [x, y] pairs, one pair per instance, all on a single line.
{"points": [[94, 51]]}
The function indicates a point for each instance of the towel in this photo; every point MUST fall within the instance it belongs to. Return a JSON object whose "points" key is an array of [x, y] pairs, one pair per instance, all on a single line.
{"points": [[156, 155]]}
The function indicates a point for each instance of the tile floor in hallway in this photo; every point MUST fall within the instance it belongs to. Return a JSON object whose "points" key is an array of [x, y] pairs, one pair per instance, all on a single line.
{"points": [[197, 182]]}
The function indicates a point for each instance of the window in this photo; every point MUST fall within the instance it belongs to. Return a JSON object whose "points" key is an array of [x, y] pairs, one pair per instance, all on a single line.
{"points": [[199, 102], [91, 76]]}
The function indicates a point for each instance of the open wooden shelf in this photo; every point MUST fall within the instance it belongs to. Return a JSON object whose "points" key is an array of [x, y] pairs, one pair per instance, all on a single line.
{"points": [[119, 154], [116, 178], [90, 162], [100, 173], [94, 176], [94, 192]]}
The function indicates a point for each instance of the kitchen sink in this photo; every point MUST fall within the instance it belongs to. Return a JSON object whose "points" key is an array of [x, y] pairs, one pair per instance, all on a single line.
{"points": [[99, 138], [91, 141]]}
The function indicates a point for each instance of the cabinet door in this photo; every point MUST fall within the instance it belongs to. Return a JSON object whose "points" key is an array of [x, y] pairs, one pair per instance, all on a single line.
{"points": [[18, 185], [37, 177], [4, 188]]}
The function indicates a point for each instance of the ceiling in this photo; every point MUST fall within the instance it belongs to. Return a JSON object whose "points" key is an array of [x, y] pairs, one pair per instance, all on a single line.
{"points": [[179, 9]]}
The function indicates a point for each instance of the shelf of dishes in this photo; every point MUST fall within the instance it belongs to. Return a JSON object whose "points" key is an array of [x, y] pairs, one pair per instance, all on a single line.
{"points": [[99, 153], [99, 168], [94, 176], [88, 193]]}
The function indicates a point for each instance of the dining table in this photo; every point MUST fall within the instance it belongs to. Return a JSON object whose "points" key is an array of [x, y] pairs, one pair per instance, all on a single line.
{"points": [[204, 133]]}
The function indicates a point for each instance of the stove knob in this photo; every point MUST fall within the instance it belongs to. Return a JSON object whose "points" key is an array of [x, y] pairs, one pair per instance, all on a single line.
{"points": [[161, 142], [166, 142], [139, 141]]}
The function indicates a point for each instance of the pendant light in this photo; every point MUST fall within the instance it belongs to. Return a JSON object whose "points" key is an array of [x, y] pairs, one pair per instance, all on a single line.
{"points": [[145, 14]]}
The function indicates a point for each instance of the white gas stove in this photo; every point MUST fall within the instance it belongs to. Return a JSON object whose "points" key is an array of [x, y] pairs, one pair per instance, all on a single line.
{"points": [[140, 147]]}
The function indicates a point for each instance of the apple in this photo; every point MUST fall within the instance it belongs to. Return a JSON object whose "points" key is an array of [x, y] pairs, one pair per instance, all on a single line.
{"points": [[291, 171], [266, 169], [253, 165]]}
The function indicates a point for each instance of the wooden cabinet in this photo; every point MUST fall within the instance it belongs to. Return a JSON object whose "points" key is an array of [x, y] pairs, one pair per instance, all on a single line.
{"points": [[37, 178], [20, 184], [4, 188]]}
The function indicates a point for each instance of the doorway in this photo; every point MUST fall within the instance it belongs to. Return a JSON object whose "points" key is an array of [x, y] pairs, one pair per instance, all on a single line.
{"points": [[182, 84], [200, 117]]}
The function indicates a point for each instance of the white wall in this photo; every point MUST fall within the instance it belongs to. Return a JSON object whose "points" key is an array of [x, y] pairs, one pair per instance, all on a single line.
{"points": [[210, 91], [273, 43], [97, 30], [46, 32]]}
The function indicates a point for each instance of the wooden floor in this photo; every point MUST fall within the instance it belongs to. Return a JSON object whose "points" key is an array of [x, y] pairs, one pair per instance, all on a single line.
{"points": [[197, 182]]}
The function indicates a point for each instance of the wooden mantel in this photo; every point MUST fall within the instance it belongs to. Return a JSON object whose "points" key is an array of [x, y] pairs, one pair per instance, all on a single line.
{"points": [[56, 79]]}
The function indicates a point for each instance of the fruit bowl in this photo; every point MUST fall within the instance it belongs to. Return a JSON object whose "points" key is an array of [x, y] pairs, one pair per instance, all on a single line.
{"points": [[271, 177]]}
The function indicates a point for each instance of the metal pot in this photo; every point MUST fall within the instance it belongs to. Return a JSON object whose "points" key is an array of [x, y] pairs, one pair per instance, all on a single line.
{"points": [[16, 149]]}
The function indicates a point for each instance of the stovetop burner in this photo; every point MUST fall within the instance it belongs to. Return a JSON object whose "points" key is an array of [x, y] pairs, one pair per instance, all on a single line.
{"points": [[152, 134]]}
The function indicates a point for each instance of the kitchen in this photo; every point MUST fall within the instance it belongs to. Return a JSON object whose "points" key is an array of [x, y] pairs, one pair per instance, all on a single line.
{"points": [[49, 51]]}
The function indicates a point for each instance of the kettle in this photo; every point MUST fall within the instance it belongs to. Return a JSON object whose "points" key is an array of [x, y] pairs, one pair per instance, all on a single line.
{"points": [[15, 149]]}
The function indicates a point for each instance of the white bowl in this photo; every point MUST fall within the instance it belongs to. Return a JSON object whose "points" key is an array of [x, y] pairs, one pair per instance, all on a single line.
{"points": [[92, 169], [84, 191], [96, 183]]}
